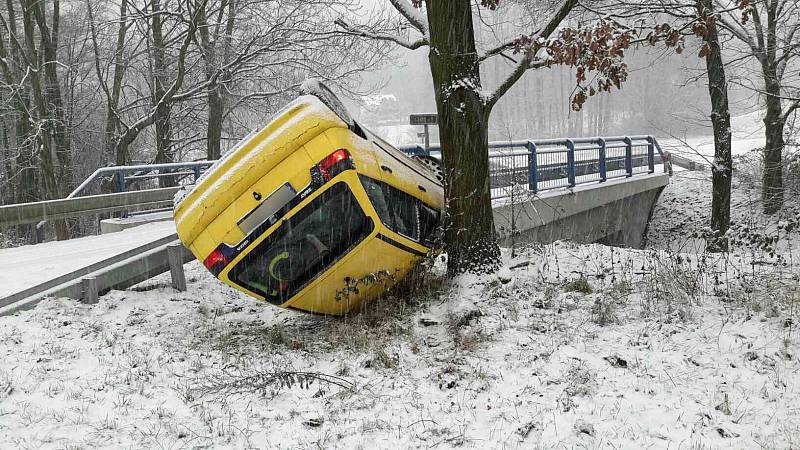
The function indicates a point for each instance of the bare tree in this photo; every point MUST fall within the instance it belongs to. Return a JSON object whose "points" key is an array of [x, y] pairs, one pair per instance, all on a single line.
{"points": [[18, 93], [46, 132], [767, 31], [722, 169], [464, 108], [164, 86], [216, 49], [112, 93]]}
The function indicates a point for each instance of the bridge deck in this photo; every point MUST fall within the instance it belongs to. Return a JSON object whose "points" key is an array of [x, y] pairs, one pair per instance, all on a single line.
{"points": [[29, 265]]}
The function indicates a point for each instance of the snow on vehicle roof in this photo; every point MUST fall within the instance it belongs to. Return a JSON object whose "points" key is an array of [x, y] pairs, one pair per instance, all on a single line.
{"points": [[315, 87]]}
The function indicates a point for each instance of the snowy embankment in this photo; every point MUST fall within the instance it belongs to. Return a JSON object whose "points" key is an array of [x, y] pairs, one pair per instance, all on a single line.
{"points": [[664, 352], [747, 133], [566, 346]]}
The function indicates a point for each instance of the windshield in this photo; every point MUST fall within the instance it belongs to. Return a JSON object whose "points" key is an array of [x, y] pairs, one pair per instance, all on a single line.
{"points": [[304, 246], [400, 212], [397, 210]]}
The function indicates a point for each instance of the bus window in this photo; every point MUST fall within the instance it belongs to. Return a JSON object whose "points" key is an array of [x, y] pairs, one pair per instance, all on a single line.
{"points": [[397, 210], [304, 246], [402, 213], [428, 223]]}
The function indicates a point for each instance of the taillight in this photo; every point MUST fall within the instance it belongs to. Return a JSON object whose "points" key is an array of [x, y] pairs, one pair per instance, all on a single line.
{"points": [[332, 165], [216, 261]]}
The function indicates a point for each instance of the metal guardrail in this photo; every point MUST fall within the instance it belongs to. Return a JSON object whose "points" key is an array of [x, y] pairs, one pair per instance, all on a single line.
{"points": [[535, 165], [123, 174], [119, 272], [539, 165], [79, 273], [686, 163], [23, 213]]}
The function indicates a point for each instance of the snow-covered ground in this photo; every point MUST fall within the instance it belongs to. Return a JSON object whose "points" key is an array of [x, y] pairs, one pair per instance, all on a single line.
{"points": [[28, 265], [684, 209], [664, 352], [567, 346], [747, 131]]}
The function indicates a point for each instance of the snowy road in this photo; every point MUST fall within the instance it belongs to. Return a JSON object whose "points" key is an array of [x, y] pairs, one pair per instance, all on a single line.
{"points": [[29, 265]]}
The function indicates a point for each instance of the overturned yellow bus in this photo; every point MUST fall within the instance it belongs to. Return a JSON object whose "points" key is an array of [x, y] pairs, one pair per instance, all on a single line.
{"points": [[309, 203]]}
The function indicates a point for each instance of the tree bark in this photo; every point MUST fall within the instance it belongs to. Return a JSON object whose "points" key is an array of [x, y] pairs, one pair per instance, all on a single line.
{"points": [[463, 130], [47, 134], [211, 52], [163, 109], [772, 180], [772, 183], [722, 169], [120, 154], [112, 120], [52, 91]]}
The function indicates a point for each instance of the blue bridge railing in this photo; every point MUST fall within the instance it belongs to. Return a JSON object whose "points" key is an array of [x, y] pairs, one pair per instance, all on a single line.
{"points": [[539, 165], [125, 176], [533, 165]]}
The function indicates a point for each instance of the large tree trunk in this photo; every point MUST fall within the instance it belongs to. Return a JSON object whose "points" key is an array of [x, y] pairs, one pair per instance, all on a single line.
{"points": [[722, 168], [470, 238], [215, 101], [772, 181], [772, 185], [216, 51], [121, 157]]}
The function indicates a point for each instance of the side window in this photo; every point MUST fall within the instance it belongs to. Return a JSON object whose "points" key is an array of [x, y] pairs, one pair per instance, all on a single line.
{"points": [[397, 210], [428, 223]]}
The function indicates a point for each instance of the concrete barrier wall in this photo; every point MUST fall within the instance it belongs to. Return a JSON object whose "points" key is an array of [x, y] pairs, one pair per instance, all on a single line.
{"points": [[615, 213]]}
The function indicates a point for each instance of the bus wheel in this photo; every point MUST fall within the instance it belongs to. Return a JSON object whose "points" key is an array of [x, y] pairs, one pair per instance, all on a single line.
{"points": [[433, 165]]}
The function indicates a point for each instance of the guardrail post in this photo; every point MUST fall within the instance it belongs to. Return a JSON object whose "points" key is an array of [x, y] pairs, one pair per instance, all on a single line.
{"points": [[571, 162], [651, 155], [176, 266], [196, 173], [90, 294], [628, 156], [532, 175], [602, 157], [120, 181]]}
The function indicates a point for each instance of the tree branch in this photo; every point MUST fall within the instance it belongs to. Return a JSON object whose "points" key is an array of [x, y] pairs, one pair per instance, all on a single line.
{"points": [[355, 30], [527, 60], [413, 16]]}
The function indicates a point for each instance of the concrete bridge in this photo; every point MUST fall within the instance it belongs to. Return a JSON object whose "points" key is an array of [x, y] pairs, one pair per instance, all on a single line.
{"points": [[616, 212], [585, 190]]}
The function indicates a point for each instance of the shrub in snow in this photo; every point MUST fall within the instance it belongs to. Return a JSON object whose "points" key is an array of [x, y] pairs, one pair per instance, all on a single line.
{"points": [[578, 285]]}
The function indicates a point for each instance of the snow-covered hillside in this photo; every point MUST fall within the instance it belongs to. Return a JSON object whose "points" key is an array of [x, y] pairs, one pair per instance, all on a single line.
{"points": [[747, 131], [684, 209]]}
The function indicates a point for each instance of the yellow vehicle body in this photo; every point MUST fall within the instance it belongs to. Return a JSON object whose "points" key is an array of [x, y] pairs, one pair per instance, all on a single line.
{"points": [[231, 208]]}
